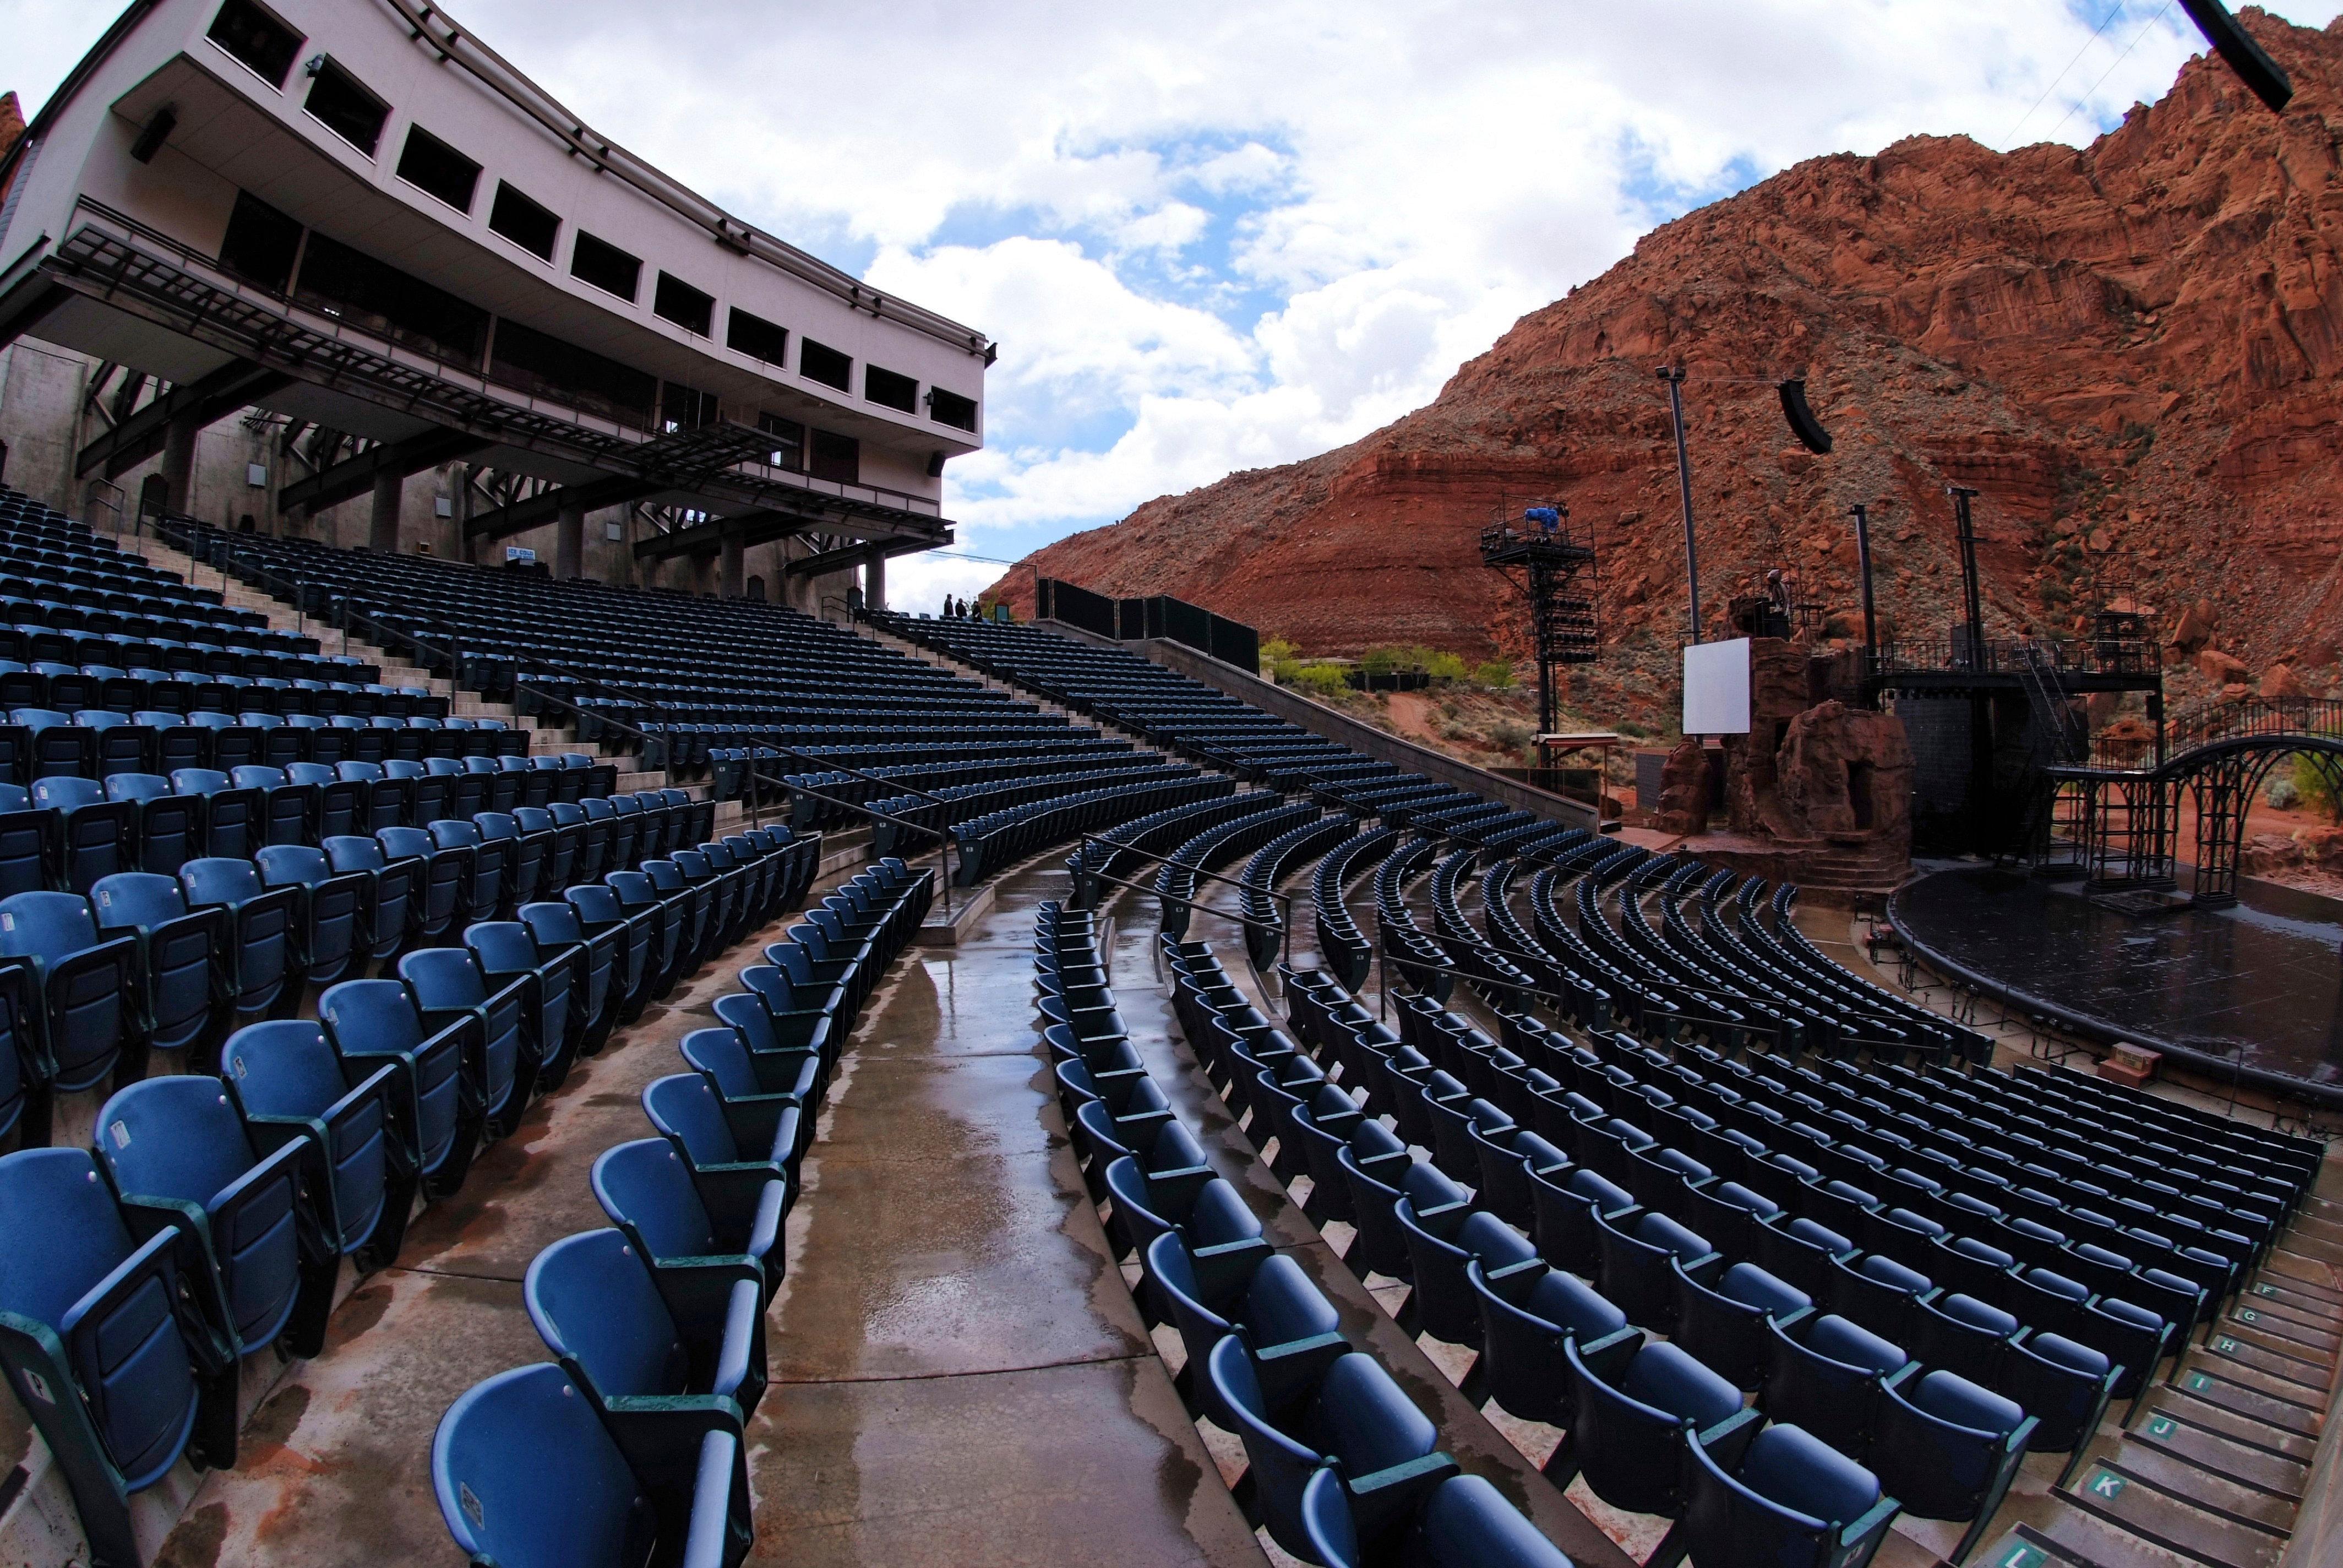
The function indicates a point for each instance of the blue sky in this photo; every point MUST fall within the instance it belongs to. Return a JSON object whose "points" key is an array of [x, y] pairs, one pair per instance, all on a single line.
{"points": [[1221, 235]]}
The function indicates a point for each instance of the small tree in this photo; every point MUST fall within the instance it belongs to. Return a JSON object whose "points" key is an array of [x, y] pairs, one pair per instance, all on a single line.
{"points": [[1379, 660], [2318, 781], [1319, 679], [1444, 667], [1496, 675]]}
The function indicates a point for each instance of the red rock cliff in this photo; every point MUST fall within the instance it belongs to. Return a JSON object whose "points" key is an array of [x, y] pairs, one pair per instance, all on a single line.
{"points": [[2132, 351]]}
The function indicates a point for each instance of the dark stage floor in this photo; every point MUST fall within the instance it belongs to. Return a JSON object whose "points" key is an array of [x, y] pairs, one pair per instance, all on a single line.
{"points": [[2262, 983]]}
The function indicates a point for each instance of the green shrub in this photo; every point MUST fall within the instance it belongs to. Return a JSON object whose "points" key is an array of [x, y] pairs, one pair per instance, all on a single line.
{"points": [[2319, 782], [1508, 736], [1319, 680], [1496, 675], [1444, 667], [1379, 660]]}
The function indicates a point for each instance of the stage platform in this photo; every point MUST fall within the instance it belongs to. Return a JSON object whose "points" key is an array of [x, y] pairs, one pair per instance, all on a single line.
{"points": [[2255, 991]]}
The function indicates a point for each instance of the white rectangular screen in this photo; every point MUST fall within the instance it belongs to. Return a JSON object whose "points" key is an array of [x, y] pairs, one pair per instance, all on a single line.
{"points": [[1717, 688]]}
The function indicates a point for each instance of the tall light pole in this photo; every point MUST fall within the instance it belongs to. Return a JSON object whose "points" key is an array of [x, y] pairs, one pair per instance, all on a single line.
{"points": [[1863, 564], [1674, 376]]}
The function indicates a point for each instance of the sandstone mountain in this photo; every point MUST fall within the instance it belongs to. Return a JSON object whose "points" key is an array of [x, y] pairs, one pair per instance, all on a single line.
{"points": [[2135, 351]]}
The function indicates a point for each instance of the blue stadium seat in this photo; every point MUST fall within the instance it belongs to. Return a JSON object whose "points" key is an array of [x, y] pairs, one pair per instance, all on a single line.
{"points": [[374, 1023], [1464, 1522], [179, 1158], [331, 911], [263, 959], [182, 1004], [646, 1191], [527, 1477], [393, 902], [557, 932], [730, 1176], [166, 828], [233, 820], [595, 1305], [1353, 1418], [507, 955], [1778, 1496], [82, 984], [602, 917], [94, 1343], [1284, 1323], [291, 1087], [92, 834], [441, 886], [450, 991], [1825, 1374], [24, 842], [1638, 1402]]}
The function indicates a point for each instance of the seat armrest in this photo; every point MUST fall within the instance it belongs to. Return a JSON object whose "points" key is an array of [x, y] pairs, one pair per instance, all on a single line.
{"points": [[1381, 1498]]}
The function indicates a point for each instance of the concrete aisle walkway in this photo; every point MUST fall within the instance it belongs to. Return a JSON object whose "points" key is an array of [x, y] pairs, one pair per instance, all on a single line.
{"points": [[958, 1375]]}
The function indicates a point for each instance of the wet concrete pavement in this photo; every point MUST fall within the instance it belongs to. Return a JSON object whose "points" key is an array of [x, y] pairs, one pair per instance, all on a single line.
{"points": [[960, 1375]]}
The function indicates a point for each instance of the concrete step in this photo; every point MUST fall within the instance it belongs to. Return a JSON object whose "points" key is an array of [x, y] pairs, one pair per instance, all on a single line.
{"points": [[2187, 1526]]}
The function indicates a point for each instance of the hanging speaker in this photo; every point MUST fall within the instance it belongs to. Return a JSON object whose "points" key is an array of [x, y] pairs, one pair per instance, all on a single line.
{"points": [[2235, 46], [1803, 424]]}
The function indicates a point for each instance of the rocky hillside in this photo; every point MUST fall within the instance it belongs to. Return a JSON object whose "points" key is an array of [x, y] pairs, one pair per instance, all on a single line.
{"points": [[2133, 351]]}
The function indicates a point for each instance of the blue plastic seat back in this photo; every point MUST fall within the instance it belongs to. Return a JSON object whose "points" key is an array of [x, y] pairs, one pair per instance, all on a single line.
{"points": [[1791, 1467], [644, 1187], [1667, 1378], [1837, 1338], [180, 955], [685, 1110], [180, 1138], [63, 792], [1467, 1523], [288, 1068], [1561, 1299], [67, 1260], [85, 1012], [1367, 1421], [526, 1475], [597, 1309], [717, 1055], [372, 1019], [449, 979]]}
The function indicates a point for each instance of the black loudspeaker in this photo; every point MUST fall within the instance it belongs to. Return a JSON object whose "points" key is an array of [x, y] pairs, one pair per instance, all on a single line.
{"points": [[1803, 424], [935, 465], [2235, 46], [156, 132]]}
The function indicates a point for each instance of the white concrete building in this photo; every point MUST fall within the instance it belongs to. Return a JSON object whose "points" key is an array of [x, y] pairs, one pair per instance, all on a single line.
{"points": [[377, 249]]}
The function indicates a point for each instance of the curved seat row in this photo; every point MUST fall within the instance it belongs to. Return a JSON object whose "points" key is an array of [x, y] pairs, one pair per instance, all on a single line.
{"points": [[631, 1443]]}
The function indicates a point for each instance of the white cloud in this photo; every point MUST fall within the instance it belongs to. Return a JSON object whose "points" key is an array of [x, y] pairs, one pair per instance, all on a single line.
{"points": [[1235, 232]]}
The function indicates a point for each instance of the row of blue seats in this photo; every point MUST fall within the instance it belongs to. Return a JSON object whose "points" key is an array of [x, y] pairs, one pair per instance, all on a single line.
{"points": [[988, 843], [67, 831], [632, 1445], [90, 743], [213, 1221], [1341, 1467], [1766, 1283], [128, 686], [91, 987], [1743, 1488]]}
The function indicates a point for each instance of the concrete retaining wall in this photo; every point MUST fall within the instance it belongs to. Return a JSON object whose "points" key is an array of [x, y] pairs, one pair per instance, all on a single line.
{"points": [[1363, 739]]}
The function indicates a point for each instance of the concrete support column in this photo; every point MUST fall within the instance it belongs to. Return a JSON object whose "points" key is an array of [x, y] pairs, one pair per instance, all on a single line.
{"points": [[735, 573], [382, 524], [179, 462], [703, 574], [874, 579], [569, 541]]}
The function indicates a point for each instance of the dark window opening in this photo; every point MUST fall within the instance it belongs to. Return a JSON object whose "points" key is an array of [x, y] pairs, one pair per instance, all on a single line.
{"points": [[757, 589], [154, 496], [755, 336], [838, 457], [353, 287], [788, 441], [1858, 793], [523, 222], [890, 390], [820, 362], [261, 244], [258, 39], [534, 362], [606, 266], [343, 107], [676, 301], [435, 169], [952, 408], [685, 408]]}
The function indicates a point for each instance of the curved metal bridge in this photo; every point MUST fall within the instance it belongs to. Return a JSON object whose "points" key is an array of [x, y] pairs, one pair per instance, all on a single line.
{"points": [[2117, 819]]}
